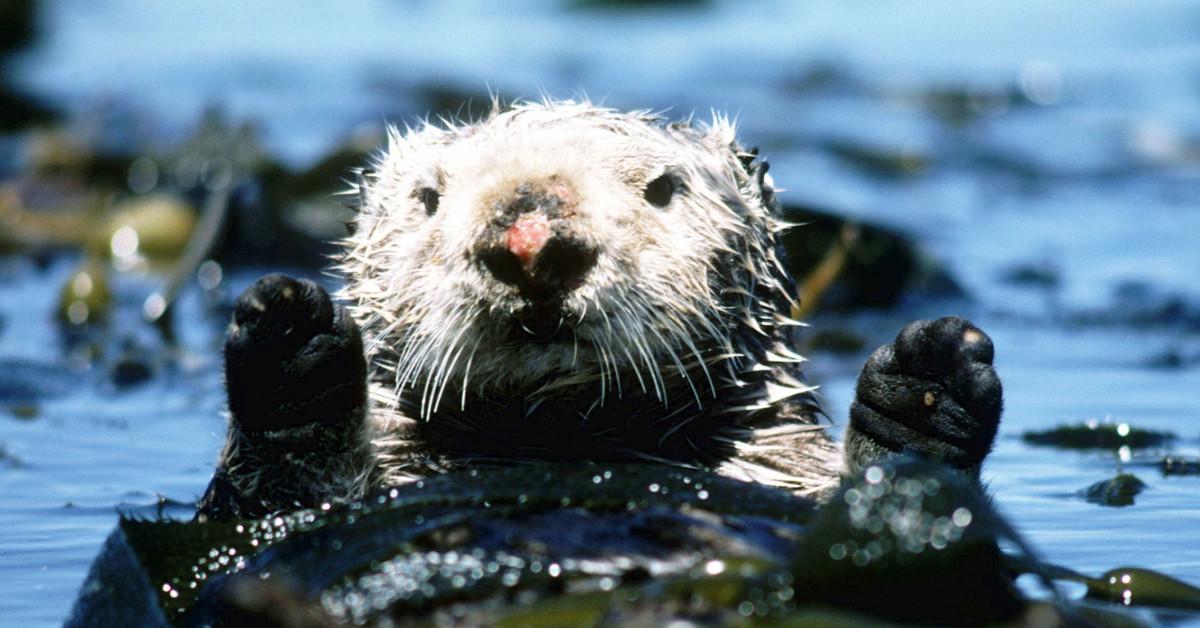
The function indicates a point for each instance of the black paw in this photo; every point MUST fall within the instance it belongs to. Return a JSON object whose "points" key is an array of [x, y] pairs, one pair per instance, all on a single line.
{"points": [[292, 357], [932, 391]]}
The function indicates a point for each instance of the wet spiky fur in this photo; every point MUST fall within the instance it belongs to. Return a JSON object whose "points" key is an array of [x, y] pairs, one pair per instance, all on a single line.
{"points": [[675, 348]]}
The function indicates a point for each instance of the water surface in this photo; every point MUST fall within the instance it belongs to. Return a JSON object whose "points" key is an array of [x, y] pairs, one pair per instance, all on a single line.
{"points": [[1052, 135]]}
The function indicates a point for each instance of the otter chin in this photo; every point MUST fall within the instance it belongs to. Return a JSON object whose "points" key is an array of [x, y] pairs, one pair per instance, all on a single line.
{"points": [[562, 281]]}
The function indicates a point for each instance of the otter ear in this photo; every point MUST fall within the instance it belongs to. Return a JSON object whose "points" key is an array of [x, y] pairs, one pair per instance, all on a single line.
{"points": [[722, 134], [757, 168]]}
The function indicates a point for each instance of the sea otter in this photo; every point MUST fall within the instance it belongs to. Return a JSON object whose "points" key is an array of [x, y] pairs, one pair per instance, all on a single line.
{"points": [[561, 281]]}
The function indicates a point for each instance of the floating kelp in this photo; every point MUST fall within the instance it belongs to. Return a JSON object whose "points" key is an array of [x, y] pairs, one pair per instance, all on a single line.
{"points": [[1097, 435], [1045, 275], [912, 542], [1130, 586], [63, 196], [554, 545], [1116, 491], [47, 215], [870, 266], [134, 366], [1173, 358], [147, 229], [452, 537], [1133, 587], [878, 161], [960, 105], [1143, 305], [1172, 465], [85, 297], [557, 544]]}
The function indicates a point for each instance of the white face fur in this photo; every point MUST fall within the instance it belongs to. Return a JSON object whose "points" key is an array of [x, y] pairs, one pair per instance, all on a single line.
{"points": [[653, 299]]}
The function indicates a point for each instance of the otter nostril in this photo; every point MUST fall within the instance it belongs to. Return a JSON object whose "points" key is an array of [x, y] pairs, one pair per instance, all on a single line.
{"points": [[559, 267], [504, 265], [564, 263]]}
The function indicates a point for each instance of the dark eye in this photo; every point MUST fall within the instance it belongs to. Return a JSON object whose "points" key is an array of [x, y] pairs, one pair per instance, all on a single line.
{"points": [[429, 198], [659, 191]]}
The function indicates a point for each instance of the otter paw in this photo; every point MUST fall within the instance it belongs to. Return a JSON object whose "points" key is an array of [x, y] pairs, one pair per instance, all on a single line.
{"points": [[292, 357], [933, 391]]}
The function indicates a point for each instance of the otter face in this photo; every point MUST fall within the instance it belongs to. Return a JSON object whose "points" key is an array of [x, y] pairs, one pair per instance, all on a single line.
{"points": [[556, 243]]}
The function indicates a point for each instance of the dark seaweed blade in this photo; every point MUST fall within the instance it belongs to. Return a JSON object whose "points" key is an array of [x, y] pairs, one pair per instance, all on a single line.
{"points": [[548, 545], [913, 541], [1172, 465], [1136, 587], [330, 546], [1098, 436], [476, 535], [148, 569], [1116, 491]]}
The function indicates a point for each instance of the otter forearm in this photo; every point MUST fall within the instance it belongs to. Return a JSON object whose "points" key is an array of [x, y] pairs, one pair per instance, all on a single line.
{"points": [[296, 376], [261, 472]]}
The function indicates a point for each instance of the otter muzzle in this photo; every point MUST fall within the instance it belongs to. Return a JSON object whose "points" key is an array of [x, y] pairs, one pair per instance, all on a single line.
{"points": [[531, 244]]}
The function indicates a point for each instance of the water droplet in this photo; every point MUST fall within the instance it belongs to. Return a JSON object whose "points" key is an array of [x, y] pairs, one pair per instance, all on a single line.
{"points": [[124, 243], [209, 275], [874, 474], [77, 312], [82, 285]]}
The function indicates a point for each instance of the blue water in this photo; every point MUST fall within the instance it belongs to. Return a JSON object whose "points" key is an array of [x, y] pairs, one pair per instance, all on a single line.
{"points": [[1082, 154]]}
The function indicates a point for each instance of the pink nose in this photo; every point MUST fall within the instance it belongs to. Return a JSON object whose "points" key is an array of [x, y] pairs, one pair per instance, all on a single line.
{"points": [[533, 242], [527, 237]]}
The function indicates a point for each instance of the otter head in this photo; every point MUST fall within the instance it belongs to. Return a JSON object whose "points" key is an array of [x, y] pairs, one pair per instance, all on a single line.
{"points": [[562, 245]]}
